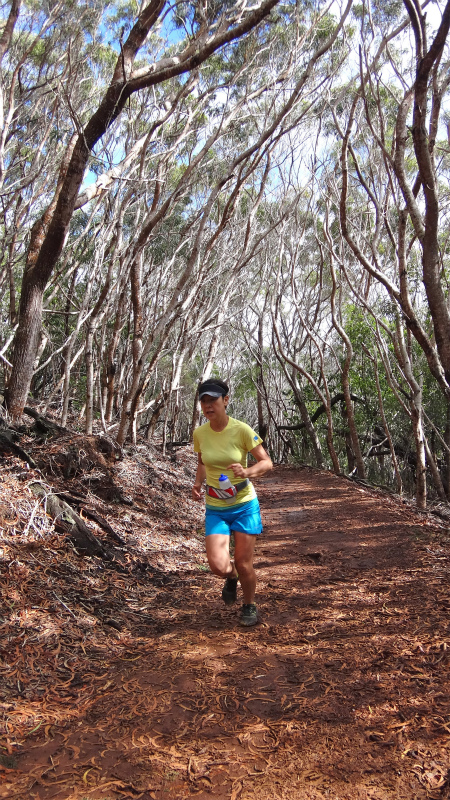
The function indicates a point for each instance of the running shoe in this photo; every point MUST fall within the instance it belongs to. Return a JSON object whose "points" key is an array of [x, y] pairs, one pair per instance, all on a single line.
{"points": [[229, 591], [249, 615]]}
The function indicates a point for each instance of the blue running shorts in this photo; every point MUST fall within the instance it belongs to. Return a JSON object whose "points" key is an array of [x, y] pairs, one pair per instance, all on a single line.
{"points": [[245, 517]]}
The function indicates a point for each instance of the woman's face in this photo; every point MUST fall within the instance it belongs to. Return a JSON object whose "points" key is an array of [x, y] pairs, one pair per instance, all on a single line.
{"points": [[213, 407]]}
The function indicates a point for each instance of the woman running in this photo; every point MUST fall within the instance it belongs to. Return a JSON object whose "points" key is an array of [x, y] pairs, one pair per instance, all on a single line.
{"points": [[222, 445]]}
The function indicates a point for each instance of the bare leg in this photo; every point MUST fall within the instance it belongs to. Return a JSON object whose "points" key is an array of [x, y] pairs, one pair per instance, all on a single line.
{"points": [[243, 558], [218, 553]]}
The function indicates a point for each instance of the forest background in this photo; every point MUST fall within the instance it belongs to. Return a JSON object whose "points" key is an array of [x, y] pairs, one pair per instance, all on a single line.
{"points": [[253, 191]]}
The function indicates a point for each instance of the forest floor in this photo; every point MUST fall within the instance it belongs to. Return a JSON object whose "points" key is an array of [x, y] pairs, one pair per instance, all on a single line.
{"points": [[132, 680]]}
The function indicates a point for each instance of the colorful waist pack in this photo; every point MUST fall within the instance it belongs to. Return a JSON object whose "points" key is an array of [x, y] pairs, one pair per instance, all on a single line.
{"points": [[229, 494]]}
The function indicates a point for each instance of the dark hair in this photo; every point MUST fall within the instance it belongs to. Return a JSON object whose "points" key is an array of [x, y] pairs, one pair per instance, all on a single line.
{"points": [[215, 384]]}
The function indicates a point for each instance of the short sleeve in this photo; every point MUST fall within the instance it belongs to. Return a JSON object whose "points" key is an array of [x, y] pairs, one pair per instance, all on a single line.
{"points": [[250, 438], [196, 443]]}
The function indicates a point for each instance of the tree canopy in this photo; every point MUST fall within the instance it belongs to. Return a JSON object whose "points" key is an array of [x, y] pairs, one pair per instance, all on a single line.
{"points": [[258, 191]]}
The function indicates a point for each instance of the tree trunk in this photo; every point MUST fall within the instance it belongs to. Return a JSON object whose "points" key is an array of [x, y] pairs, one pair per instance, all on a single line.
{"points": [[398, 477], [111, 366], [421, 482], [424, 150], [447, 453], [69, 522], [89, 361], [309, 427], [353, 442], [435, 472], [262, 425], [26, 343]]}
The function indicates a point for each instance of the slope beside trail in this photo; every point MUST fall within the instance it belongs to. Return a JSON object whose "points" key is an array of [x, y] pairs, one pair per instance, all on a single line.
{"points": [[341, 691]]}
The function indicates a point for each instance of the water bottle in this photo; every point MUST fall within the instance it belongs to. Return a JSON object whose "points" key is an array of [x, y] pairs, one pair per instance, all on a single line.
{"points": [[225, 484]]}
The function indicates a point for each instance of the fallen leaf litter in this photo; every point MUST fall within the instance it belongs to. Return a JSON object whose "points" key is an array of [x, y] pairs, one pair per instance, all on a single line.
{"points": [[132, 680]]}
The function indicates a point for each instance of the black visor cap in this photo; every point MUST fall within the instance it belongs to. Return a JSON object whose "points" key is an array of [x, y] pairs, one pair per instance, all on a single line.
{"points": [[213, 389]]}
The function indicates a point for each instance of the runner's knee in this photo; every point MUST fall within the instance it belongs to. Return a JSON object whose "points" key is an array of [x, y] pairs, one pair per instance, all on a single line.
{"points": [[216, 570], [244, 566], [218, 566]]}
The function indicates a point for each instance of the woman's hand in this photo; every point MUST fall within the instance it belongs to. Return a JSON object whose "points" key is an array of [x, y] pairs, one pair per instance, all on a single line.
{"points": [[197, 493], [238, 470], [200, 477], [263, 465]]}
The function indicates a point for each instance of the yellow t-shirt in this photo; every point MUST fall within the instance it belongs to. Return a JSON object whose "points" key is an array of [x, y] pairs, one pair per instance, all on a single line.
{"points": [[220, 449]]}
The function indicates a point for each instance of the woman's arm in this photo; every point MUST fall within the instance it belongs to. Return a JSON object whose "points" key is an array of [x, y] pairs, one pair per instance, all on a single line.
{"points": [[200, 477], [263, 465]]}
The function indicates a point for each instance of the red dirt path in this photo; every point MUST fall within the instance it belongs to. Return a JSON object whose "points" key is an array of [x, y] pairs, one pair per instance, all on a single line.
{"points": [[341, 691]]}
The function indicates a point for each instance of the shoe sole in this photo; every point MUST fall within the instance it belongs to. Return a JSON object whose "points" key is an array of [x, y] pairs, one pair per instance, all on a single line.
{"points": [[248, 624], [228, 599]]}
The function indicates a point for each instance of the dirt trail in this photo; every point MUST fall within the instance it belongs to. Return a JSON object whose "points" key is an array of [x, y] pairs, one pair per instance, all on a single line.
{"points": [[341, 691]]}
